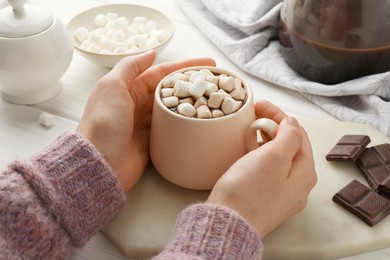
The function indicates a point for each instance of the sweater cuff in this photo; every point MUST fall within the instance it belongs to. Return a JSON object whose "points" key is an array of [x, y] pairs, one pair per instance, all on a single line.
{"points": [[214, 232], [75, 184]]}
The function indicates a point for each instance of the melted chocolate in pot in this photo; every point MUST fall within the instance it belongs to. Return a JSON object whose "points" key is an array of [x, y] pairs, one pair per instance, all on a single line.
{"points": [[334, 51]]}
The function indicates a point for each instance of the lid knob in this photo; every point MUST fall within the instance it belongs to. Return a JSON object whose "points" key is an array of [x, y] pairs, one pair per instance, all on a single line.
{"points": [[17, 6], [20, 20]]}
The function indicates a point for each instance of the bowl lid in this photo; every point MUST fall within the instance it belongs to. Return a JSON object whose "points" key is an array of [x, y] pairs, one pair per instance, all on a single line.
{"points": [[19, 20]]}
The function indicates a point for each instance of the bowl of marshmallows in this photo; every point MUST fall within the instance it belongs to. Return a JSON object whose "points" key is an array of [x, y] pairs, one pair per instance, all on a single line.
{"points": [[105, 34]]}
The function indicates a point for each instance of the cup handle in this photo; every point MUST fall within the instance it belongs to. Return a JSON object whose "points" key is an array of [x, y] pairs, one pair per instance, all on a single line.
{"points": [[267, 128]]}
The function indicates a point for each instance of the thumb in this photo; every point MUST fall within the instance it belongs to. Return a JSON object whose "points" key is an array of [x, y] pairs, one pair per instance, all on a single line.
{"points": [[129, 68]]}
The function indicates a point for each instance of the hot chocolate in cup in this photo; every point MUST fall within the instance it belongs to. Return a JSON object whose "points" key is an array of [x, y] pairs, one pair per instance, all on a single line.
{"points": [[194, 151]]}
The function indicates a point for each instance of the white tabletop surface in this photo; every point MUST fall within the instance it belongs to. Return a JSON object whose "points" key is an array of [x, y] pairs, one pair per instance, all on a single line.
{"points": [[21, 135]]}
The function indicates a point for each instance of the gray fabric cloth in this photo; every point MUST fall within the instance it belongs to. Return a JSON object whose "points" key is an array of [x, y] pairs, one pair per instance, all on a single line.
{"points": [[246, 31]]}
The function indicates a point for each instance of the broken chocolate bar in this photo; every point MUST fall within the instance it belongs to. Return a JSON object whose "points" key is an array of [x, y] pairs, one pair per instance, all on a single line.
{"points": [[363, 202], [375, 165], [348, 148]]}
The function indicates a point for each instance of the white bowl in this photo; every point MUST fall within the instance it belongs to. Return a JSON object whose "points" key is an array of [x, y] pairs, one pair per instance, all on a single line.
{"points": [[86, 19]]}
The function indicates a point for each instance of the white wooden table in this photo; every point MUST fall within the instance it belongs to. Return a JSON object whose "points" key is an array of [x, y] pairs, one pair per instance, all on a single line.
{"points": [[21, 135]]}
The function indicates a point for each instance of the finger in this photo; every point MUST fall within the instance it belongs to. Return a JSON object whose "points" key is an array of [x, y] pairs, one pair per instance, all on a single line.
{"points": [[306, 143], [304, 160], [288, 140], [152, 76], [129, 68], [266, 109], [306, 148]]}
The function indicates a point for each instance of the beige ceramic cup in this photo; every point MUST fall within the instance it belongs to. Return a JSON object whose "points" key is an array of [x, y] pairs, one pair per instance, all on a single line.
{"points": [[194, 153]]}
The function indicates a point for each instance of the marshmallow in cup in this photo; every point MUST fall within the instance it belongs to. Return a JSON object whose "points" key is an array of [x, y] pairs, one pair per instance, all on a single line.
{"points": [[194, 152]]}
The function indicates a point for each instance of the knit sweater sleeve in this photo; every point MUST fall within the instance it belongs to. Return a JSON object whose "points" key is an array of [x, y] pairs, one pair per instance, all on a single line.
{"points": [[207, 231], [57, 199]]}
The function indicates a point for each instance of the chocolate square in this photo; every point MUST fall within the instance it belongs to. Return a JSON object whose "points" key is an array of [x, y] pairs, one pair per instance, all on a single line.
{"points": [[348, 148], [363, 202], [374, 162]]}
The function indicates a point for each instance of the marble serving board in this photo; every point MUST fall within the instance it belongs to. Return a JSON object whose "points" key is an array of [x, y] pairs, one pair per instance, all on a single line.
{"points": [[323, 230]]}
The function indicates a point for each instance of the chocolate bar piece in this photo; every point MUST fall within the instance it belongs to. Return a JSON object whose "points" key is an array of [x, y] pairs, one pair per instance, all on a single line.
{"points": [[363, 202], [348, 148], [375, 165]]}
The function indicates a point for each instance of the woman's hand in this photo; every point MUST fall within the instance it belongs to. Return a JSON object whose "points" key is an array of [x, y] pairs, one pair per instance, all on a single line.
{"points": [[118, 112], [270, 184]]}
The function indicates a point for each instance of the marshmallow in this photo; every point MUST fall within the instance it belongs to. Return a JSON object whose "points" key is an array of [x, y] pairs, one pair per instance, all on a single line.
{"points": [[170, 81], [93, 47], [119, 36], [213, 79], [81, 34], [94, 37], [109, 24], [226, 83], [237, 83], [171, 101], [100, 20], [111, 16], [207, 72], [119, 50], [85, 44], [182, 89], [215, 100], [210, 89], [189, 72], [197, 75], [200, 102], [203, 112], [141, 28], [239, 93], [198, 88], [133, 49], [121, 23], [151, 25], [109, 33], [108, 44], [187, 100], [152, 42], [221, 91], [122, 44], [46, 119], [140, 39], [217, 113], [100, 30], [131, 32], [186, 109], [161, 35], [166, 92], [229, 105]]}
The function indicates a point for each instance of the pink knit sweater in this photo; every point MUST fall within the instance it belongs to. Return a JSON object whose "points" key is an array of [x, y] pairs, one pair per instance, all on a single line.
{"points": [[63, 195]]}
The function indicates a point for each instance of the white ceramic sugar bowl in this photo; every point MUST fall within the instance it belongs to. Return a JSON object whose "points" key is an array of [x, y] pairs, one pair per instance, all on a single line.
{"points": [[35, 51]]}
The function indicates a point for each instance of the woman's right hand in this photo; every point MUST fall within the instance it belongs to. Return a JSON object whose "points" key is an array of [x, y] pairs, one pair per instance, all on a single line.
{"points": [[271, 183]]}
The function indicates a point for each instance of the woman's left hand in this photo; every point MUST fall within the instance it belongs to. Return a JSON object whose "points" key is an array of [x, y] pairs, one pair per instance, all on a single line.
{"points": [[117, 116]]}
